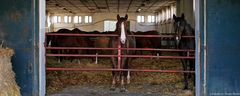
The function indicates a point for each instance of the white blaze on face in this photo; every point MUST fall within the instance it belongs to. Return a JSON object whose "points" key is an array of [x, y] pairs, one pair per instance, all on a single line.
{"points": [[123, 35]]}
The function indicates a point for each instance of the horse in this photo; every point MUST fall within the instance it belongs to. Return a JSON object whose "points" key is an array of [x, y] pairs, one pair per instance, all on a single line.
{"points": [[56, 41], [68, 41], [182, 28], [124, 41], [148, 42]]}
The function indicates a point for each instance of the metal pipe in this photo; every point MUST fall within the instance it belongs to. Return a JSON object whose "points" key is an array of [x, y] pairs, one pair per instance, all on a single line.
{"points": [[119, 55], [114, 35], [131, 56], [133, 70], [145, 49]]}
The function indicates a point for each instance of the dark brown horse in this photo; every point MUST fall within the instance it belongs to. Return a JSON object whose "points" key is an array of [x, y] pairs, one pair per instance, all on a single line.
{"points": [[122, 41], [182, 28], [148, 42], [68, 41]]}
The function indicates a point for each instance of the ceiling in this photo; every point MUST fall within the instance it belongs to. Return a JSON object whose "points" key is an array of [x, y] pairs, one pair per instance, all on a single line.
{"points": [[105, 6]]}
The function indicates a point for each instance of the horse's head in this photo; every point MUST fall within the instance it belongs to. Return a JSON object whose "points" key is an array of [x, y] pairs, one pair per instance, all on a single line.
{"points": [[121, 27], [179, 26]]}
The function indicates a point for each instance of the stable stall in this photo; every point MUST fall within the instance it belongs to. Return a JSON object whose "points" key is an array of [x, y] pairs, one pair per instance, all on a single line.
{"points": [[23, 25]]}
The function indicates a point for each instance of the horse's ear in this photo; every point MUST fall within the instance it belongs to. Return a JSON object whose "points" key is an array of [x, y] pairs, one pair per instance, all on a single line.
{"points": [[126, 16], [174, 17], [118, 17], [183, 17]]}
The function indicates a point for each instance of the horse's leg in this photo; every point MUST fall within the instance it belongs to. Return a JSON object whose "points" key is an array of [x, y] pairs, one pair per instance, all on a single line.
{"points": [[192, 68], [114, 74], [78, 58], [127, 73], [184, 63], [124, 74], [73, 52], [96, 58], [60, 58]]}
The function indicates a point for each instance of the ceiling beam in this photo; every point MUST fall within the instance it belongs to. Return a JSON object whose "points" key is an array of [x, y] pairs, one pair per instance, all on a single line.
{"points": [[118, 5], [107, 5], [161, 3], [140, 5], [129, 5], [61, 6], [97, 7], [156, 1], [84, 4], [74, 5]]}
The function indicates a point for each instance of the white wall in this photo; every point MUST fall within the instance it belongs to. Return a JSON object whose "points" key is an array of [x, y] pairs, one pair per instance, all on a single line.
{"points": [[98, 22]]}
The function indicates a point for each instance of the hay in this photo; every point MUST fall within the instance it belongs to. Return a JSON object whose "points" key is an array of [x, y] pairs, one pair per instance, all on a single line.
{"points": [[8, 85], [169, 84]]}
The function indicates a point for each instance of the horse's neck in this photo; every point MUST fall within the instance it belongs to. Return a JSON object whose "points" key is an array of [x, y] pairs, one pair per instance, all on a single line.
{"points": [[189, 30]]}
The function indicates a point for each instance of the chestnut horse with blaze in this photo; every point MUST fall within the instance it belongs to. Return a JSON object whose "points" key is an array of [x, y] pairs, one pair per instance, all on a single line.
{"points": [[121, 41]]}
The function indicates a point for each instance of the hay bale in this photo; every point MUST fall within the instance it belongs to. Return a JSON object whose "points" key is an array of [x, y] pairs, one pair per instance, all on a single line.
{"points": [[8, 85]]}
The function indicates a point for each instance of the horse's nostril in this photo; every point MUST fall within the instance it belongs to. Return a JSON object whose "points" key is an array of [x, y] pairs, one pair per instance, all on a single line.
{"points": [[123, 41]]}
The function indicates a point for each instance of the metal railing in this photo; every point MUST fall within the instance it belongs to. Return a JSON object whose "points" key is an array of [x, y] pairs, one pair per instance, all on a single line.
{"points": [[119, 55]]}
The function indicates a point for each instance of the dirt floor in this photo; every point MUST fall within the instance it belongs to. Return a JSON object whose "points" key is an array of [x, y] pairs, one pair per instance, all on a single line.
{"points": [[78, 83]]}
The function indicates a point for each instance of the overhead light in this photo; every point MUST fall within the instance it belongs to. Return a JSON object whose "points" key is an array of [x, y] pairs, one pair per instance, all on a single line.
{"points": [[139, 9]]}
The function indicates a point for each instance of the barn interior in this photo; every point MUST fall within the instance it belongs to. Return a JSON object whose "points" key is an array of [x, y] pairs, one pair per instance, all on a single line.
{"points": [[100, 15]]}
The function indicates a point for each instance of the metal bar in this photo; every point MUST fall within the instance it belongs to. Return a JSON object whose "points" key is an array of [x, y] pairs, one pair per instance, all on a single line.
{"points": [[119, 55], [132, 70], [72, 34], [144, 49], [131, 56]]}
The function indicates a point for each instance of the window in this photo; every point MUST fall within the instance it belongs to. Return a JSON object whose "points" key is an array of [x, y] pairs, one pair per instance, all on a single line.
{"points": [[151, 19], [173, 10], [77, 19], [56, 19], [67, 19], [88, 19], [109, 25], [140, 19], [48, 21], [167, 13]]}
